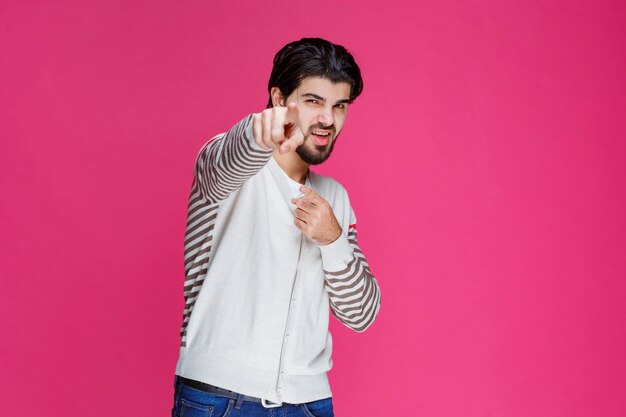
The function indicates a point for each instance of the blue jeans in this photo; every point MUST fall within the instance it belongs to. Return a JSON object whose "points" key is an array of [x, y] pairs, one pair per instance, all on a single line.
{"points": [[190, 402]]}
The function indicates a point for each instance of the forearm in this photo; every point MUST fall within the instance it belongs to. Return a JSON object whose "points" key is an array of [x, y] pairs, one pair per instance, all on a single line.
{"points": [[228, 160], [353, 291]]}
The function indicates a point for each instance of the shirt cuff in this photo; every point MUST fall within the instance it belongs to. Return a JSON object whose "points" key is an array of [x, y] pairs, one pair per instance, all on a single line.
{"points": [[336, 255]]}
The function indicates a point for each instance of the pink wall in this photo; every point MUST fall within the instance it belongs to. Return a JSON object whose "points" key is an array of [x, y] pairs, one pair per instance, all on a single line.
{"points": [[486, 161]]}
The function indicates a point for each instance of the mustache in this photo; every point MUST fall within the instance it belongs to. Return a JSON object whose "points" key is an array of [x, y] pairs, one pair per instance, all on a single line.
{"points": [[322, 127]]}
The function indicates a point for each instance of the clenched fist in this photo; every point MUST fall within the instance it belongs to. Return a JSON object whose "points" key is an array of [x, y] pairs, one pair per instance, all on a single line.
{"points": [[315, 217], [278, 128]]}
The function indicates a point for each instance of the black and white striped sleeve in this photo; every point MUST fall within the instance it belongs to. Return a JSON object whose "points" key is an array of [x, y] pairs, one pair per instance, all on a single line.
{"points": [[352, 289], [227, 160]]}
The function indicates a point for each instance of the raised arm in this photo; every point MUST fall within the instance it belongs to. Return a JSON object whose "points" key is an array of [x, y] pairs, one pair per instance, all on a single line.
{"points": [[225, 162]]}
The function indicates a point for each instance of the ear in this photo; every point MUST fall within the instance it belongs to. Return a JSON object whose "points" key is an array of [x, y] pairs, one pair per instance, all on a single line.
{"points": [[277, 97]]}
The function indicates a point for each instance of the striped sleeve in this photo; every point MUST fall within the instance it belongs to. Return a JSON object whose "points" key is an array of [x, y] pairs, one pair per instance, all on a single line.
{"points": [[352, 289], [227, 160]]}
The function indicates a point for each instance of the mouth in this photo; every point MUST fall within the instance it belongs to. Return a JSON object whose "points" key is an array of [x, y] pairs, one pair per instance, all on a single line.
{"points": [[321, 137]]}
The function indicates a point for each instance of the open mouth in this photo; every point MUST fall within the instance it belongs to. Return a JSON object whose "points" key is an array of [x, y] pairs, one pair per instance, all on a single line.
{"points": [[321, 137]]}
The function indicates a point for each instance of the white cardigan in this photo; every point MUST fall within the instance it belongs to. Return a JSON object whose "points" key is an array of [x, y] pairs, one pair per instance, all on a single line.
{"points": [[257, 290]]}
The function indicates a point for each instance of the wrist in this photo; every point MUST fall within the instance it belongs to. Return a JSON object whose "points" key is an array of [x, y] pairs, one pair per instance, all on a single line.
{"points": [[329, 241], [336, 255]]}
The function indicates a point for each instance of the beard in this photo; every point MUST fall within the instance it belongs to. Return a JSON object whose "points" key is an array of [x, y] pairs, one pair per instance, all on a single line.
{"points": [[314, 154]]}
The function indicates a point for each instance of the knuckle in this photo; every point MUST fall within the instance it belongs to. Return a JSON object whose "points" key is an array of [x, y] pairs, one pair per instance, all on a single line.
{"points": [[277, 113], [276, 133]]}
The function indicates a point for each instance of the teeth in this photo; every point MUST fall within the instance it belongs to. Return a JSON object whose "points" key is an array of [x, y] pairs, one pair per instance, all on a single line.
{"points": [[321, 134]]}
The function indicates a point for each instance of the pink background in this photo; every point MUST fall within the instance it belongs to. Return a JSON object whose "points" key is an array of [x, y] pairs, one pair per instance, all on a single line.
{"points": [[486, 161]]}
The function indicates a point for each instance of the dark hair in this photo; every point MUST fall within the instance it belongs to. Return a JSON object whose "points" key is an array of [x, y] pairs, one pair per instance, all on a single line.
{"points": [[313, 57]]}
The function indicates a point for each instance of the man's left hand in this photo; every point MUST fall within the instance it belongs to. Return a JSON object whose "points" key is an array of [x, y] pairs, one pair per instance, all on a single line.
{"points": [[315, 217]]}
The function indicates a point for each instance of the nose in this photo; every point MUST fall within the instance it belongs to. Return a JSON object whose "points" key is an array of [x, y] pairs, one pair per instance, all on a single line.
{"points": [[325, 116]]}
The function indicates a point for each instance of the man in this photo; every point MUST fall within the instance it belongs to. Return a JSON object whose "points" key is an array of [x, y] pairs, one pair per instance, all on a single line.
{"points": [[269, 246]]}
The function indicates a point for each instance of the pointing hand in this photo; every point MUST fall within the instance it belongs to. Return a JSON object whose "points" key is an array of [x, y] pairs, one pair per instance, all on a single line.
{"points": [[278, 128]]}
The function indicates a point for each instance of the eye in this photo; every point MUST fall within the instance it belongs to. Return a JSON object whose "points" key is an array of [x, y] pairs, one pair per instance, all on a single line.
{"points": [[340, 106], [311, 100]]}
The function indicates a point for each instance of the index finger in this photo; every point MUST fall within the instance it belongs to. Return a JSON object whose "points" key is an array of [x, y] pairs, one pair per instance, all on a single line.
{"points": [[292, 113], [310, 194]]}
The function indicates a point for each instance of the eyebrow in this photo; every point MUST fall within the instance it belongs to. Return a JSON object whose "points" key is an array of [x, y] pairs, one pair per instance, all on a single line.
{"points": [[320, 98]]}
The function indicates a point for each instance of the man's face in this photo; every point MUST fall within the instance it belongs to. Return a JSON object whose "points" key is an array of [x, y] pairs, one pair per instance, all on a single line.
{"points": [[322, 110]]}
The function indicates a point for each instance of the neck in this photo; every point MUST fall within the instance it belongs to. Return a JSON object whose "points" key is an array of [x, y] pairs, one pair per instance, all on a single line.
{"points": [[293, 166]]}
